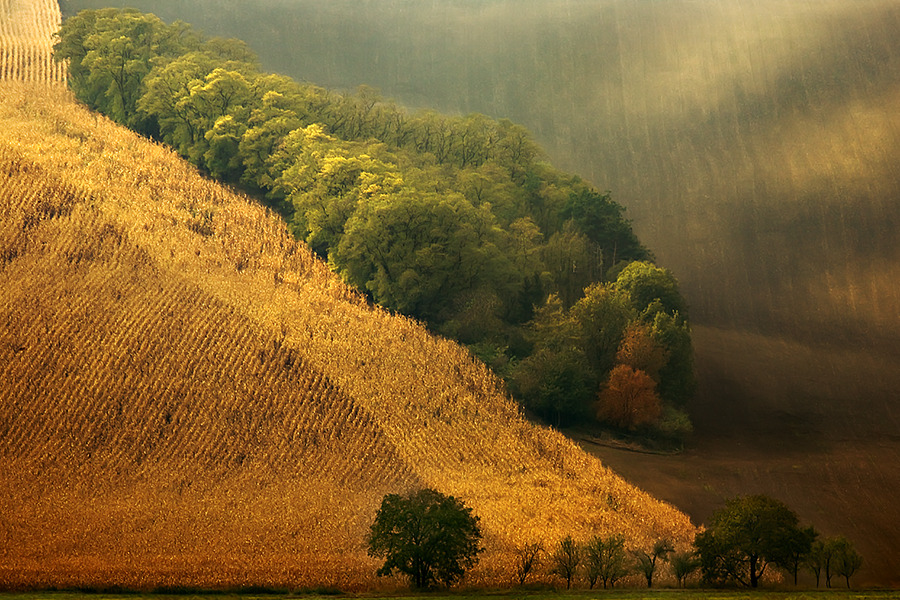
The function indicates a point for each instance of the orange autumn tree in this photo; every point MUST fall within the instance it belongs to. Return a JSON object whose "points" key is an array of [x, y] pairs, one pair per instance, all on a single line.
{"points": [[641, 352], [629, 398]]}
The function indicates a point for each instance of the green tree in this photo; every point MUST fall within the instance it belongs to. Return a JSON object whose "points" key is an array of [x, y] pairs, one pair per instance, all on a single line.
{"points": [[605, 560], [602, 221], [798, 549], [324, 180], [427, 536], [555, 381], [111, 51], [602, 314], [574, 350], [677, 380], [818, 561], [833, 556], [573, 261], [684, 564], [515, 150], [846, 561], [647, 284], [417, 252], [221, 103], [282, 108], [167, 90], [565, 560], [744, 538], [491, 183], [647, 561]]}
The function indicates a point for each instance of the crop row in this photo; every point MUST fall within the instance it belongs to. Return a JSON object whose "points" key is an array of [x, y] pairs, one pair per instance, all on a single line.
{"points": [[26, 41], [83, 386]]}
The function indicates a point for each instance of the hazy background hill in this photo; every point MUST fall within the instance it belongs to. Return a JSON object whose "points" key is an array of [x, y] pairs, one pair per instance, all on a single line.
{"points": [[755, 144], [738, 133]]}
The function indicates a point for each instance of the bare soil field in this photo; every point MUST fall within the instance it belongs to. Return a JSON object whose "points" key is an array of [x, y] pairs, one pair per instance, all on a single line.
{"points": [[835, 464]]}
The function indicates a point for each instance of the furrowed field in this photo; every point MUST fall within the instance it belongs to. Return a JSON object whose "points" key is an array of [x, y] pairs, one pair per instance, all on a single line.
{"points": [[26, 29], [188, 397]]}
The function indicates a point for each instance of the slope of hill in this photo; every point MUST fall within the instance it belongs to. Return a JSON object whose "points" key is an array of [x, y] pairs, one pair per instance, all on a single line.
{"points": [[188, 397], [754, 143]]}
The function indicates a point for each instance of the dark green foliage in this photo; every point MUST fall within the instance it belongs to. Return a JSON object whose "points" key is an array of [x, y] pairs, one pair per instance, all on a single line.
{"points": [[684, 564], [455, 221], [846, 560], [602, 221], [833, 556], [745, 537], [677, 381], [429, 537], [566, 558], [799, 546], [605, 560]]}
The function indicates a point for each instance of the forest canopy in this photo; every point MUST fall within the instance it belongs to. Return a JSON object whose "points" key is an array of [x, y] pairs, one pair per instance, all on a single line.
{"points": [[454, 220]]}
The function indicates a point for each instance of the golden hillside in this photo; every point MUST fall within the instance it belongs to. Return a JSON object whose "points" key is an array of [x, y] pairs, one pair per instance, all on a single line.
{"points": [[187, 396], [26, 41]]}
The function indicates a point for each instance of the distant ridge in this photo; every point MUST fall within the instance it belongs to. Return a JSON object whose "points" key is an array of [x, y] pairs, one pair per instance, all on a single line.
{"points": [[188, 397]]}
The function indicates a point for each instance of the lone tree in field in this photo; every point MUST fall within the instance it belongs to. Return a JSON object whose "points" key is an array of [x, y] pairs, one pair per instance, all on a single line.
{"points": [[745, 537], [429, 537]]}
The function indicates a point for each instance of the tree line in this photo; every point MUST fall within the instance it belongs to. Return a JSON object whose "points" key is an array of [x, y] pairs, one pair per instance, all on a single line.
{"points": [[749, 538], [433, 539], [457, 221]]}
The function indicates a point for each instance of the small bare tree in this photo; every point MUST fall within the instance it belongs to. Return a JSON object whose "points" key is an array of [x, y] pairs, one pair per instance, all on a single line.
{"points": [[646, 561], [527, 558]]}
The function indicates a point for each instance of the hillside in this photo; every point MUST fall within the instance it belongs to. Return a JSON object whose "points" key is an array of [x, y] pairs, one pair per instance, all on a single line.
{"points": [[189, 397], [754, 144]]}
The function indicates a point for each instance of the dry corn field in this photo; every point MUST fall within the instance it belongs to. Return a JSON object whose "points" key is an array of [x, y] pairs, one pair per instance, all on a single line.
{"points": [[26, 41], [189, 397]]}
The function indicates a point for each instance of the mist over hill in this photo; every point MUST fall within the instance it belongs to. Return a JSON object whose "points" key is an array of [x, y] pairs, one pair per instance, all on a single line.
{"points": [[754, 143], [739, 134]]}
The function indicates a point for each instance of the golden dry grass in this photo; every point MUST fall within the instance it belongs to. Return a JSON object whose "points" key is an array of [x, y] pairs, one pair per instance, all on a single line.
{"points": [[187, 396], [26, 41]]}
